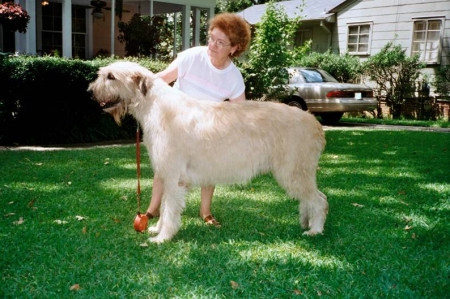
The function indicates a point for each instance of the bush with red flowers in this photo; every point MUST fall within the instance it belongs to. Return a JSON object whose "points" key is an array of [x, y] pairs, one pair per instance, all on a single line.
{"points": [[13, 17]]}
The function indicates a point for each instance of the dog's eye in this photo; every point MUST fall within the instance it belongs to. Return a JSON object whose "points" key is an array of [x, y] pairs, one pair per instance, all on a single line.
{"points": [[111, 76]]}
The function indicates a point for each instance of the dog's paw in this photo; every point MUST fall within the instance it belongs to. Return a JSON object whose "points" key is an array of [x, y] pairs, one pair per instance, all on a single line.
{"points": [[153, 229], [158, 239], [312, 232]]}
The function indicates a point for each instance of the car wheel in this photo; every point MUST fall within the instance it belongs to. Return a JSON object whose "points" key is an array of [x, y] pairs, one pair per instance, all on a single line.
{"points": [[331, 117], [296, 103]]}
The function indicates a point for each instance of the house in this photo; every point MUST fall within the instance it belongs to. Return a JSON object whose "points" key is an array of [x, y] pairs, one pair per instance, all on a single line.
{"points": [[363, 27], [84, 28]]}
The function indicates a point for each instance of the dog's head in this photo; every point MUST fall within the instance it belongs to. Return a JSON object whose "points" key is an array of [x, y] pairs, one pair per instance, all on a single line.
{"points": [[120, 85]]}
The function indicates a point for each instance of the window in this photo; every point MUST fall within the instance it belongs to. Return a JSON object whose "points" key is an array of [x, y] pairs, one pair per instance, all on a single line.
{"points": [[52, 29], [79, 35], [358, 40], [52, 41], [426, 40]]}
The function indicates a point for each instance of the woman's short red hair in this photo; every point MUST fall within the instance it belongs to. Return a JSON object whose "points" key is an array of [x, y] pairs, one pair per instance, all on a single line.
{"points": [[235, 28]]}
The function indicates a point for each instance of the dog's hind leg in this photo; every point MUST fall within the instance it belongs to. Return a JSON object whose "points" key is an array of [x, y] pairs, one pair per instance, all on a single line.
{"points": [[313, 207], [313, 212], [172, 205]]}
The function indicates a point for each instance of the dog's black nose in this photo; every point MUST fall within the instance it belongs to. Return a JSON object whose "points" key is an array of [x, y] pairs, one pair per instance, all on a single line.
{"points": [[91, 94]]}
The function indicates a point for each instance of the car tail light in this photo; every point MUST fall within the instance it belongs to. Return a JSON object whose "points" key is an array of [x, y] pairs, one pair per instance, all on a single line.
{"points": [[340, 94]]}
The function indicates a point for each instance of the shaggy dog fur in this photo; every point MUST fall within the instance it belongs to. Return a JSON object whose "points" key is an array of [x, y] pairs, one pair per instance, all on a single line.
{"points": [[203, 143]]}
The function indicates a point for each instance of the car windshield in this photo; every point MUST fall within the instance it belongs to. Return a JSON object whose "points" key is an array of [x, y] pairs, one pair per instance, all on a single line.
{"points": [[316, 76]]}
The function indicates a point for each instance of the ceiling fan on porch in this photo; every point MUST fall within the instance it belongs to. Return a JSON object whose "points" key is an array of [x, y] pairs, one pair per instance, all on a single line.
{"points": [[99, 5]]}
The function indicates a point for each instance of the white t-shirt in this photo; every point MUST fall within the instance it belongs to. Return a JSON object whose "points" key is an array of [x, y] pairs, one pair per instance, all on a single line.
{"points": [[198, 78]]}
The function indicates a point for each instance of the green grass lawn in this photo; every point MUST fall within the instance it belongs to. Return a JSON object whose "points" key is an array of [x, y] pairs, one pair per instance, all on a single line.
{"points": [[387, 234]]}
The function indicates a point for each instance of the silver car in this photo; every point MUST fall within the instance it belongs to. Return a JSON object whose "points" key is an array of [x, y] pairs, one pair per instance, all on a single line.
{"points": [[320, 93]]}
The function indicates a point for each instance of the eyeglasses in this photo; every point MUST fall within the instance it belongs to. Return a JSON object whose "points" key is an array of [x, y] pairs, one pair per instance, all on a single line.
{"points": [[219, 43]]}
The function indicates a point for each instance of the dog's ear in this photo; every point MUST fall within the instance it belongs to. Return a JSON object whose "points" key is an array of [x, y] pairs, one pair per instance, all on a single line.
{"points": [[137, 78], [143, 82], [146, 85]]}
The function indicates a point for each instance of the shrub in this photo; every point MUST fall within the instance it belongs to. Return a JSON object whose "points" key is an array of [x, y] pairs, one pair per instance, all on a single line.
{"points": [[345, 68], [44, 100], [442, 81], [394, 74]]}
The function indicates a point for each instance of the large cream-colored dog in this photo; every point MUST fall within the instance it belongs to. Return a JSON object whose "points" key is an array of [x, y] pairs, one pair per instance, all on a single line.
{"points": [[203, 143]]}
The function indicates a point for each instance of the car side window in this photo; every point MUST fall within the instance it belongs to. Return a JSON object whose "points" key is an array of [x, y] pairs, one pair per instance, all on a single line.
{"points": [[312, 76]]}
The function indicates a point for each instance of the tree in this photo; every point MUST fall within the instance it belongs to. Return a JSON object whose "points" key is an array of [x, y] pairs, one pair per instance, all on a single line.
{"points": [[269, 54], [144, 36], [395, 75], [238, 5]]}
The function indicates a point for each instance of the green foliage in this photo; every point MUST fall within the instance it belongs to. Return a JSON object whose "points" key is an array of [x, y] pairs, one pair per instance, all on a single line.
{"points": [[232, 5], [345, 68], [237, 5], [442, 81], [269, 54], [44, 100], [145, 36], [395, 75]]}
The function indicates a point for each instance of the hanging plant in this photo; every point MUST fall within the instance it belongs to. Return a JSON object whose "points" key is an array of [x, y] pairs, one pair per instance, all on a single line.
{"points": [[13, 17]]}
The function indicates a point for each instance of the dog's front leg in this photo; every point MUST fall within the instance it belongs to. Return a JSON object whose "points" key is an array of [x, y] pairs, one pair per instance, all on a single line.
{"points": [[155, 229], [172, 205]]}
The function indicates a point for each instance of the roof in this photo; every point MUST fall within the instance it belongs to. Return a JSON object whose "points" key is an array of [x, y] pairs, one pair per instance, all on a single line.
{"points": [[312, 10]]}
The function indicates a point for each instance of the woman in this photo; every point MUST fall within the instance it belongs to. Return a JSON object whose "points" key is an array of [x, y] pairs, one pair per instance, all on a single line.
{"points": [[208, 73]]}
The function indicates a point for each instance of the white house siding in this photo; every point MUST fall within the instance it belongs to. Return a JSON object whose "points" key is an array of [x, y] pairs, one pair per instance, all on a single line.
{"points": [[392, 21]]}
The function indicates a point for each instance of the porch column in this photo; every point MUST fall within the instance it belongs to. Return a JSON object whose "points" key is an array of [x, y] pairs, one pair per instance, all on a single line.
{"points": [[210, 15], [113, 25], [67, 28], [197, 26], [186, 43], [175, 31], [26, 42]]}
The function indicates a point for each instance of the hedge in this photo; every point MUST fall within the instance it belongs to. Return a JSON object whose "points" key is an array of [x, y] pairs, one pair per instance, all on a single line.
{"points": [[44, 101]]}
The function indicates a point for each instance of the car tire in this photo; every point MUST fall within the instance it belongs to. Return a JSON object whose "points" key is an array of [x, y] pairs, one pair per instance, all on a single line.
{"points": [[299, 103], [331, 118]]}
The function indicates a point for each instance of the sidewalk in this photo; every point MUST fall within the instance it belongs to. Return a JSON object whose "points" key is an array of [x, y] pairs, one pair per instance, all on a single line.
{"points": [[113, 143], [350, 126]]}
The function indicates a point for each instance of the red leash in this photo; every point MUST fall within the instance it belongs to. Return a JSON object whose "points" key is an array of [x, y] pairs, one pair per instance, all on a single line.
{"points": [[140, 222], [138, 167]]}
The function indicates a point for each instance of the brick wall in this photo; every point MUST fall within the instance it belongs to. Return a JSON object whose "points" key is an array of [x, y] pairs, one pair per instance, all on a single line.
{"points": [[430, 108]]}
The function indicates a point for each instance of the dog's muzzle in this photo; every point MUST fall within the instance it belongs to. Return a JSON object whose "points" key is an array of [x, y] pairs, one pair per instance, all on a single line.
{"points": [[109, 105]]}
